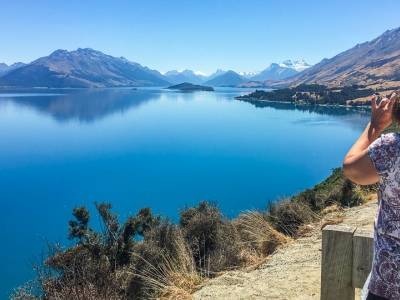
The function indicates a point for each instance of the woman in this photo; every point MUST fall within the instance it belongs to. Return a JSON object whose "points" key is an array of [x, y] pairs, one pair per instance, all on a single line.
{"points": [[373, 159]]}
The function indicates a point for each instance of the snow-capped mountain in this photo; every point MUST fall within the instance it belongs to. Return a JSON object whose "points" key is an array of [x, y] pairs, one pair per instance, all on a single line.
{"points": [[299, 65], [200, 73], [280, 71], [249, 74], [274, 72]]}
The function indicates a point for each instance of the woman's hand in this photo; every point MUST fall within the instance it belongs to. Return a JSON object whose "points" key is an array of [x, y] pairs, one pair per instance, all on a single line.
{"points": [[381, 114]]}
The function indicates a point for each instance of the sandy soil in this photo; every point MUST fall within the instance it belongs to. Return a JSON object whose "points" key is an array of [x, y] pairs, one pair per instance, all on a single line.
{"points": [[292, 272]]}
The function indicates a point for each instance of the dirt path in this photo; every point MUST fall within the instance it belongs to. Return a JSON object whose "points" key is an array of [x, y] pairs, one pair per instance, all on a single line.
{"points": [[291, 273]]}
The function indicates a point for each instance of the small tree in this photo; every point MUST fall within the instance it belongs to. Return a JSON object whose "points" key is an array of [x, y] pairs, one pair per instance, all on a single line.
{"points": [[80, 229]]}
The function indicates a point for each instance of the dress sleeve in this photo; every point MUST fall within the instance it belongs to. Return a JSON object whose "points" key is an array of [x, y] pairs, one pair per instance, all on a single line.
{"points": [[382, 154]]}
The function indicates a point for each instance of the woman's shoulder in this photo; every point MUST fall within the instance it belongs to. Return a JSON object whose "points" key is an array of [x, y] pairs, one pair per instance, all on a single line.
{"points": [[391, 137], [384, 153], [389, 142]]}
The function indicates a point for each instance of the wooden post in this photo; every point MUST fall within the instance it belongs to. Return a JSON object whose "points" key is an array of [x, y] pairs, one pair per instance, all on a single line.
{"points": [[337, 262], [363, 251]]}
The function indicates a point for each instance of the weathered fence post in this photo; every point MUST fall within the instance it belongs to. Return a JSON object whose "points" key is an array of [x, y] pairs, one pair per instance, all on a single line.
{"points": [[363, 251], [337, 263]]}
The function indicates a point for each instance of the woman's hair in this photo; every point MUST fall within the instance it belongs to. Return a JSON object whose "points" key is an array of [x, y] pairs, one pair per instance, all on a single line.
{"points": [[396, 109]]}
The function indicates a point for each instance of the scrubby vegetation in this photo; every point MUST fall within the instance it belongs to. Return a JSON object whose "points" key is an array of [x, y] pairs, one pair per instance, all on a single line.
{"points": [[313, 94], [148, 256]]}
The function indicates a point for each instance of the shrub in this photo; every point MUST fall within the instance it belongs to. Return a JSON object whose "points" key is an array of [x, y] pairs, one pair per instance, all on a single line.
{"points": [[200, 225], [95, 268], [212, 239], [72, 274], [336, 189], [287, 215], [227, 253], [158, 243]]}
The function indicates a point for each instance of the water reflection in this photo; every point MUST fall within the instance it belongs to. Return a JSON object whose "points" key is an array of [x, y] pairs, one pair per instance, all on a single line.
{"points": [[89, 105], [356, 117], [319, 109], [84, 105]]}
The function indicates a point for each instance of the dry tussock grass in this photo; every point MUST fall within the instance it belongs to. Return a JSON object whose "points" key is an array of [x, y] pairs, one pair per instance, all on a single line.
{"points": [[251, 256], [332, 221], [259, 233], [176, 277], [330, 209], [306, 230]]}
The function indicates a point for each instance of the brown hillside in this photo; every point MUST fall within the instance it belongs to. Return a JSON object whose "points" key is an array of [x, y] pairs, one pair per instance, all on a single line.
{"points": [[375, 62]]}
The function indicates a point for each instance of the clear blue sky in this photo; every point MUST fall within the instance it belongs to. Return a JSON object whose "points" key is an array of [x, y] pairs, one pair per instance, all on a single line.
{"points": [[246, 35]]}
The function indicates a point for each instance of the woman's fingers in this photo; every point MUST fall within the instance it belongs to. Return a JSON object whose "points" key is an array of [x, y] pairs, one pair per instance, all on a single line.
{"points": [[384, 102], [373, 101], [388, 103], [392, 98]]}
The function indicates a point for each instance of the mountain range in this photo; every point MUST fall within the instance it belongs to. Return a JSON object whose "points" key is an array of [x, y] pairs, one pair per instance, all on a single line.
{"points": [[90, 68], [82, 68], [230, 78], [369, 63], [179, 76]]}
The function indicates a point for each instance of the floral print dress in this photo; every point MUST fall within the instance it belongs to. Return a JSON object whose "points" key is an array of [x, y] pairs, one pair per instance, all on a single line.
{"points": [[385, 274]]}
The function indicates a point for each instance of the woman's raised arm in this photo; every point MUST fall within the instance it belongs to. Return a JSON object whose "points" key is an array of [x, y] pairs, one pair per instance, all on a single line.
{"points": [[357, 165]]}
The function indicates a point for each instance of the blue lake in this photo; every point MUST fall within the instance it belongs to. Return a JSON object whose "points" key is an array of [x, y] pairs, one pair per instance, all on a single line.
{"points": [[151, 147]]}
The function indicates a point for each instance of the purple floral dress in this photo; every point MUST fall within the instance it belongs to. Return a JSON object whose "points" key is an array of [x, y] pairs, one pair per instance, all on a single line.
{"points": [[385, 273]]}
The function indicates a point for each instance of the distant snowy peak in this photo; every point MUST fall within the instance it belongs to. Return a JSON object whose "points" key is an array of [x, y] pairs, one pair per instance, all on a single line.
{"points": [[249, 74], [280, 71], [277, 71], [200, 73], [296, 65]]}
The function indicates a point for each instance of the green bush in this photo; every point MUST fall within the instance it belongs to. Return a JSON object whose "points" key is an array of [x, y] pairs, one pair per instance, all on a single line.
{"points": [[212, 238], [287, 215], [200, 225]]}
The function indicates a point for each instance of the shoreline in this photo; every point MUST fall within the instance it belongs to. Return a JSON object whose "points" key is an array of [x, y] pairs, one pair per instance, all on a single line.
{"points": [[240, 98]]}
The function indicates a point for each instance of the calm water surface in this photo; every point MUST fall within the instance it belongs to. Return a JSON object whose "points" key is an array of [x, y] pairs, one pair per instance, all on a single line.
{"points": [[150, 147]]}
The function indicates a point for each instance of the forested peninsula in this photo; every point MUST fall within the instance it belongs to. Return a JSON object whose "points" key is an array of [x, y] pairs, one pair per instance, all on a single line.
{"points": [[316, 94]]}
